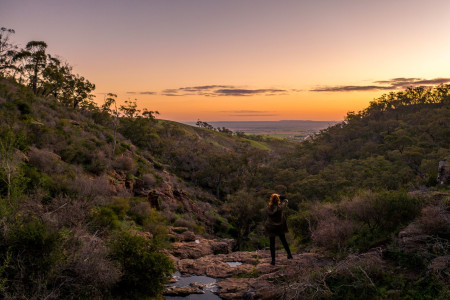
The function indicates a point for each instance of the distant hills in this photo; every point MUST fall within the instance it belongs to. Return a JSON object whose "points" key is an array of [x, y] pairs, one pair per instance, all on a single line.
{"points": [[294, 129]]}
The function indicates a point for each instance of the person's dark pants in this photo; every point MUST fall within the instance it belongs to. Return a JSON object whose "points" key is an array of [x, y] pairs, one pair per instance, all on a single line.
{"points": [[283, 241]]}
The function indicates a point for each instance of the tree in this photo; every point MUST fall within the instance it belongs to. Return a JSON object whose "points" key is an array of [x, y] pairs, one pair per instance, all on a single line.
{"points": [[225, 130], [245, 214], [129, 110], [35, 61], [7, 50], [106, 107], [138, 127], [55, 77], [204, 125], [82, 91]]}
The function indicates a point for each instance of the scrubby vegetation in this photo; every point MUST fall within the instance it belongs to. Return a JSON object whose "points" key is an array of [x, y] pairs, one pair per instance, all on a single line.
{"points": [[88, 193]]}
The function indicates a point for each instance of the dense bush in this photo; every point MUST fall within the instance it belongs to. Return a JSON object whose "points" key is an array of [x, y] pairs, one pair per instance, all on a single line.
{"points": [[30, 255], [359, 222], [144, 268], [379, 215]]}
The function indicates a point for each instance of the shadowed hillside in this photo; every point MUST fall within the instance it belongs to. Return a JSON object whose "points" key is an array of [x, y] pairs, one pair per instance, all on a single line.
{"points": [[104, 202]]}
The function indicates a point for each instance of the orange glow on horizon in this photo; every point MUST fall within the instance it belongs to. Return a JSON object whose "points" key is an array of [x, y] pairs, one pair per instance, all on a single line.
{"points": [[156, 49]]}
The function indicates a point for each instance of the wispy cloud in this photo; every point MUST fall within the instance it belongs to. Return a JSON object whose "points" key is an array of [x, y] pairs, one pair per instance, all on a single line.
{"points": [[351, 88], [223, 90], [412, 82], [391, 84], [142, 93], [246, 92]]}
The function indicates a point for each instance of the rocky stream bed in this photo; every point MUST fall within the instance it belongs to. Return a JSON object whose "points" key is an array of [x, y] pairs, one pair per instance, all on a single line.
{"points": [[208, 269]]}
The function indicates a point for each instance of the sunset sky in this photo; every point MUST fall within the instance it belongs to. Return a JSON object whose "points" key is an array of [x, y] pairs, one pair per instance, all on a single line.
{"points": [[245, 59]]}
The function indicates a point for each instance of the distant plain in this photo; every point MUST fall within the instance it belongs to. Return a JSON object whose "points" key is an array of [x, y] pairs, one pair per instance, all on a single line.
{"points": [[293, 129]]}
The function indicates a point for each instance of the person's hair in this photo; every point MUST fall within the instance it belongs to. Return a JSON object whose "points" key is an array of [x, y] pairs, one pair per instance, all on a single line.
{"points": [[274, 199]]}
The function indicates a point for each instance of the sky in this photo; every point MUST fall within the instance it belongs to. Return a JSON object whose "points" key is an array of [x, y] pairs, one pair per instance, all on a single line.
{"points": [[243, 59]]}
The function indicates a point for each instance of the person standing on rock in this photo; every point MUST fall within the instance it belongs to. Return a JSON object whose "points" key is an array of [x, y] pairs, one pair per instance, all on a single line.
{"points": [[276, 224]]}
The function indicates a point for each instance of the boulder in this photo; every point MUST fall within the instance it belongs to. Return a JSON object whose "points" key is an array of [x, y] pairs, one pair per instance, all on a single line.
{"points": [[197, 285], [181, 291], [191, 249], [220, 247], [235, 288], [187, 236]]}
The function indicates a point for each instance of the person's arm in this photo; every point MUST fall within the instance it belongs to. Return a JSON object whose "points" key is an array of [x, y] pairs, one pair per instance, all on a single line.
{"points": [[284, 201]]}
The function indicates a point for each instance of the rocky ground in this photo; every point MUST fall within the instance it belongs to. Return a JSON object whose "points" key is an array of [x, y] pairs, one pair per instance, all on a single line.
{"points": [[249, 275]]}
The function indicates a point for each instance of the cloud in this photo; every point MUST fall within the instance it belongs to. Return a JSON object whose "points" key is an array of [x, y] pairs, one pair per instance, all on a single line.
{"points": [[391, 84], [413, 82], [245, 92], [221, 90], [351, 88], [142, 93], [204, 88]]}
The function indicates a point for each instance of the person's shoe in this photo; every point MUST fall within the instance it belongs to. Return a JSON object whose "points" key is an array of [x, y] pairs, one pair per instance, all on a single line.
{"points": [[290, 256], [272, 262]]}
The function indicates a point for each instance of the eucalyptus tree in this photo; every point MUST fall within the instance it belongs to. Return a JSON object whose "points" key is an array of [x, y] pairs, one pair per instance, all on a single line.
{"points": [[55, 77], [35, 61], [7, 51], [110, 100], [82, 95]]}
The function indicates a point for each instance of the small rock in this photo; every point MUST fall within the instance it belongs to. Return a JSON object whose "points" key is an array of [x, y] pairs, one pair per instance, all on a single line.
{"points": [[181, 291], [220, 248], [187, 236], [190, 249], [197, 285]]}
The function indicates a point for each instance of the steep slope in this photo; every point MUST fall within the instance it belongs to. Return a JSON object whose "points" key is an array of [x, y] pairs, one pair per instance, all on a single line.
{"points": [[77, 219]]}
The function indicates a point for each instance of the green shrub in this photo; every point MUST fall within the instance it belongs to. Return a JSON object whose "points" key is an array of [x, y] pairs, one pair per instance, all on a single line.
{"points": [[380, 215], [145, 270], [254, 273], [300, 225], [105, 217], [35, 251], [120, 206]]}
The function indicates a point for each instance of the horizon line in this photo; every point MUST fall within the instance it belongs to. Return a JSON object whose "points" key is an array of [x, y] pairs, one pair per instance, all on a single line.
{"points": [[298, 120]]}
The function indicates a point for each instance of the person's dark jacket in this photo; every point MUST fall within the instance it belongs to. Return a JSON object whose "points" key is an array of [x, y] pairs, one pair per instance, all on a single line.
{"points": [[276, 220]]}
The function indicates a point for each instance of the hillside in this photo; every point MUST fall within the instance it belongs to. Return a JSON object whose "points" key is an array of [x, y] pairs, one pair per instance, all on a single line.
{"points": [[76, 207], [74, 194], [107, 202]]}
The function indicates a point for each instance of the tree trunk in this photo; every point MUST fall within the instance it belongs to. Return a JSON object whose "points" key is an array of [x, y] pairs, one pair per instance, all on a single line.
{"points": [[34, 82]]}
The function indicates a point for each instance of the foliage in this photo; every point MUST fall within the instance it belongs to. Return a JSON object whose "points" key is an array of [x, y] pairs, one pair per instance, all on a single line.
{"points": [[145, 269], [7, 51], [75, 219], [30, 252], [244, 213]]}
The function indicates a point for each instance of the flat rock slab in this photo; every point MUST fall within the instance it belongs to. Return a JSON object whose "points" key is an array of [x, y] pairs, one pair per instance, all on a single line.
{"points": [[253, 278], [182, 291]]}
